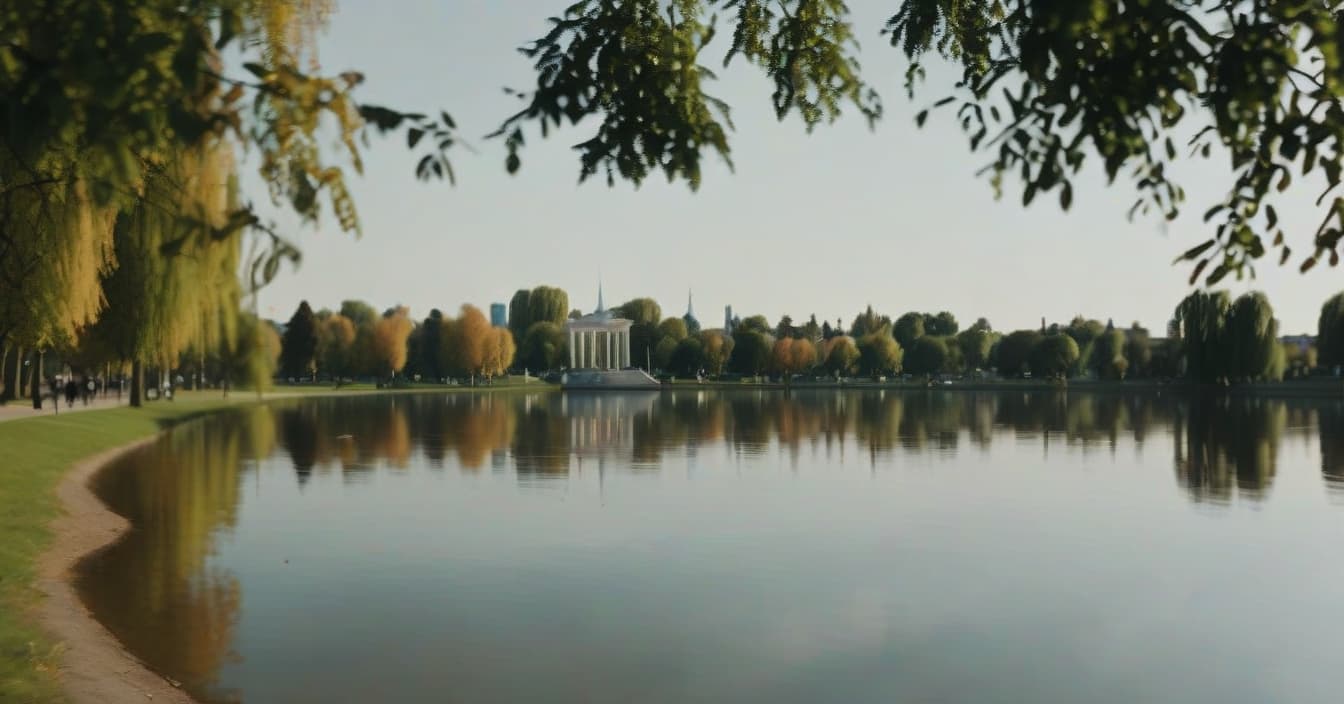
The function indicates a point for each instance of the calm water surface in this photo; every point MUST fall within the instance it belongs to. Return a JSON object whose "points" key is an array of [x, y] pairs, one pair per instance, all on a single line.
{"points": [[738, 547]]}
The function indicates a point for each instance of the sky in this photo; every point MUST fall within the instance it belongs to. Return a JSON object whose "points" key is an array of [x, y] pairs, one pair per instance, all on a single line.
{"points": [[824, 223]]}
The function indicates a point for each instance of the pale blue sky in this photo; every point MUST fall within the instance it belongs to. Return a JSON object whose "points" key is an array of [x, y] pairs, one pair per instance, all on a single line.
{"points": [[824, 224]]}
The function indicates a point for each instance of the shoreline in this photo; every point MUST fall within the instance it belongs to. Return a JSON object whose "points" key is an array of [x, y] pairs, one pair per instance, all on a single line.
{"points": [[1331, 388], [94, 666]]}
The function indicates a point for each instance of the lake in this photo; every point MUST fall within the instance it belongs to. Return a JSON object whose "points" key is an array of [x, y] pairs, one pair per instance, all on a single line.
{"points": [[752, 546]]}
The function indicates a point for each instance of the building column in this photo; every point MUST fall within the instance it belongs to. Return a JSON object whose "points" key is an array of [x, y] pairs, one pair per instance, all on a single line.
{"points": [[571, 348], [626, 346], [608, 359], [592, 349]]}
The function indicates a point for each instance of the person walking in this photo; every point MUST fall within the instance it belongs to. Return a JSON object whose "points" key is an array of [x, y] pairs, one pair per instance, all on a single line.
{"points": [[71, 391]]}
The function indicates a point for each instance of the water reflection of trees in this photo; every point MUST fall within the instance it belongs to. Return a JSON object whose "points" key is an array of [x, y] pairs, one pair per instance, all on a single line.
{"points": [[1225, 446], [1331, 425], [155, 589]]}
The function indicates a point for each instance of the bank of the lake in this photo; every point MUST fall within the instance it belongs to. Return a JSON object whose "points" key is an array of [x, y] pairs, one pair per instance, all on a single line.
{"points": [[1309, 388], [51, 650]]}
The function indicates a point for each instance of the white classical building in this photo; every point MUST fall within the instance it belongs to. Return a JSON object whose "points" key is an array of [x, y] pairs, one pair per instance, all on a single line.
{"points": [[599, 340]]}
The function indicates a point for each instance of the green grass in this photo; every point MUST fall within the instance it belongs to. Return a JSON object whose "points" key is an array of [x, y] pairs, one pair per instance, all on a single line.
{"points": [[34, 454]]}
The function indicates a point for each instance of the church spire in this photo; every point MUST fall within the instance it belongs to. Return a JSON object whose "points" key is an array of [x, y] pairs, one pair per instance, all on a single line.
{"points": [[600, 307], [690, 307]]}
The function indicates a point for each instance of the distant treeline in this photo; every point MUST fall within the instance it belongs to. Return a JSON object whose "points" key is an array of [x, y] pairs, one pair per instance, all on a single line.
{"points": [[1214, 339]]}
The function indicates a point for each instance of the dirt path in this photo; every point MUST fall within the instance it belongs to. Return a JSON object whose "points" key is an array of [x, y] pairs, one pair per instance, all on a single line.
{"points": [[95, 668]]}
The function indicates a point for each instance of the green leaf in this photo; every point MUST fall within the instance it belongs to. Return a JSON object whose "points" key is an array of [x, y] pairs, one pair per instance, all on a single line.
{"points": [[1194, 252], [413, 136]]}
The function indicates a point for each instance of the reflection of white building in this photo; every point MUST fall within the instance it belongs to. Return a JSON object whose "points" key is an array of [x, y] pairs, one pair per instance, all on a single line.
{"points": [[602, 425]]}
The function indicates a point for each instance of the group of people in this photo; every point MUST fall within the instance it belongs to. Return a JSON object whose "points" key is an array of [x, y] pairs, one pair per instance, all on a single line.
{"points": [[72, 387]]}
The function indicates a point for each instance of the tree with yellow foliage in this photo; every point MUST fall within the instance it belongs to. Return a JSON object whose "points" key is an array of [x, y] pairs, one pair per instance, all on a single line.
{"points": [[389, 340]]}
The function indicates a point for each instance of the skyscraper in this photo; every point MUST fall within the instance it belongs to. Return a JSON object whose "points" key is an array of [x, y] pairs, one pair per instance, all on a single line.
{"points": [[499, 315]]}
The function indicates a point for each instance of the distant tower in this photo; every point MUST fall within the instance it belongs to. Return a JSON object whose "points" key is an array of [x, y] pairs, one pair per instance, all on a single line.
{"points": [[728, 319], [692, 325], [499, 315], [1042, 323], [600, 307]]}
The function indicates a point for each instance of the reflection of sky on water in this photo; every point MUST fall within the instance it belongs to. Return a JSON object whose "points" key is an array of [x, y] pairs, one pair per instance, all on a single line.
{"points": [[738, 547]]}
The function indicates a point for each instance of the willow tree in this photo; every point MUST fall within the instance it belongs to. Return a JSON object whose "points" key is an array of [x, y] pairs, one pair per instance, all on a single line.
{"points": [[1252, 339], [168, 287], [1330, 331], [1202, 317]]}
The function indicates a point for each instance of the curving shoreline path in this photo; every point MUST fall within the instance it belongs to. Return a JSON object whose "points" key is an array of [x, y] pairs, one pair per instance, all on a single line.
{"points": [[94, 666]]}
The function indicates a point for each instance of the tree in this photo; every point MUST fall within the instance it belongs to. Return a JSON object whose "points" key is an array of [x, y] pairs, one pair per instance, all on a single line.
{"points": [[842, 356], [785, 328], [688, 358], [468, 341], [943, 324], [1330, 332], [717, 349], [791, 356], [811, 331], [1202, 318], [546, 304], [1084, 331], [826, 331], [141, 178], [879, 354], [543, 347], [673, 329], [520, 313], [1054, 356], [361, 360], [928, 356], [1108, 355], [1138, 350], [389, 341], [1013, 354], [645, 314], [909, 327], [298, 346], [497, 352], [975, 343], [431, 346], [170, 292], [1252, 337], [335, 342], [981, 324], [751, 351], [252, 358], [662, 353], [868, 322], [756, 323], [1253, 76]]}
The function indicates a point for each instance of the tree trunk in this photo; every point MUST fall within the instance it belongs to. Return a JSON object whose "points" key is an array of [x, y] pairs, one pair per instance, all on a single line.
{"points": [[137, 383], [13, 377], [4, 378], [37, 380]]}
